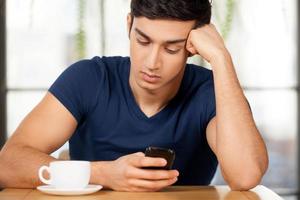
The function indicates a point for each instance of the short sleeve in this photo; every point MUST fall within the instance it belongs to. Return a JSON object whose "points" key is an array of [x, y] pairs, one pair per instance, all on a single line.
{"points": [[207, 102], [211, 101], [77, 88]]}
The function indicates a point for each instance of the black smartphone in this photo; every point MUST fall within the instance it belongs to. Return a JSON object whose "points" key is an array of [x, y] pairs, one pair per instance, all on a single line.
{"points": [[167, 154]]}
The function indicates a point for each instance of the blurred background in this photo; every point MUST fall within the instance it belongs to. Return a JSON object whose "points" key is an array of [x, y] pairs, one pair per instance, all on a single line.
{"points": [[39, 39]]}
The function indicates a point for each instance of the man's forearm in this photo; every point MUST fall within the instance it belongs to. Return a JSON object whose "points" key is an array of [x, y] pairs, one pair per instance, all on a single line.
{"points": [[19, 166], [240, 148]]}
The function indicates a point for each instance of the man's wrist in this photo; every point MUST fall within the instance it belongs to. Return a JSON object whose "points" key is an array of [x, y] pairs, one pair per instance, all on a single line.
{"points": [[99, 172], [220, 59]]}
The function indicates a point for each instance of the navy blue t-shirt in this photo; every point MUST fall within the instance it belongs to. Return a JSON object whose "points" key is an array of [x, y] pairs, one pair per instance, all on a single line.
{"points": [[111, 124]]}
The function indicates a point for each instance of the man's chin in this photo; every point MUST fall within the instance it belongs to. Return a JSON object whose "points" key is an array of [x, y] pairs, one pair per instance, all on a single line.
{"points": [[150, 87]]}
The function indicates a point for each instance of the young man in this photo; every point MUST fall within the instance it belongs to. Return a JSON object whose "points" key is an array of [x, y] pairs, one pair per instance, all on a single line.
{"points": [[112, 108]]}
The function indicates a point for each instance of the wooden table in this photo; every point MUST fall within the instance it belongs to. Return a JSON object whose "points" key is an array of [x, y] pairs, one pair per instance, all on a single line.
{"points": [[170, 193]]}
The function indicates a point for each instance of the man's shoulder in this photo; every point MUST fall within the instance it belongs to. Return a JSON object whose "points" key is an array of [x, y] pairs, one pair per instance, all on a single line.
{"points": [[200, 91], [199, 71], [110, 61], [198, 76], [97, 66]]}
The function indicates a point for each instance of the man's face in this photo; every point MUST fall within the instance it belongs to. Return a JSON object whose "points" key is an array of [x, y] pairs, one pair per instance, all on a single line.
{"points": [[157, 51]]}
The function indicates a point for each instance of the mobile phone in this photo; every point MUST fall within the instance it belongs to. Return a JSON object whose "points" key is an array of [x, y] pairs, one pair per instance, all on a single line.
{"points": [[167, 154]]}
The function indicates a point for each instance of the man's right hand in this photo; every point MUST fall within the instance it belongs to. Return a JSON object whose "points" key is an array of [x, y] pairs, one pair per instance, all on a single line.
{"points": [[127, 173]]}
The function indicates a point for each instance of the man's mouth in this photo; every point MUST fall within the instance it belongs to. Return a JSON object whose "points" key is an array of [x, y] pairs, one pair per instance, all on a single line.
{"points": [[151, 78]]}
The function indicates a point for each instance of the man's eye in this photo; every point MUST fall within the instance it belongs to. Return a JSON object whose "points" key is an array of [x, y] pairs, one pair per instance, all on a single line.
{"points": [[143, 42], [172, 51]]}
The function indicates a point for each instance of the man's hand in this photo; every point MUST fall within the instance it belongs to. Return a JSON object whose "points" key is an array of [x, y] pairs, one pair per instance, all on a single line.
{"points": [[126, 174], [207, 42]]}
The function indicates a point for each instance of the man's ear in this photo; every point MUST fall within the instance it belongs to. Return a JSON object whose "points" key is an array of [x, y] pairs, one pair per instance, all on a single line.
{"points": [[129, 24]]}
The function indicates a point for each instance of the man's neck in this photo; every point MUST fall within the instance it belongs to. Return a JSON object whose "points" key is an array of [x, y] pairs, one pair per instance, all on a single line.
{"points": [[151, 102]]}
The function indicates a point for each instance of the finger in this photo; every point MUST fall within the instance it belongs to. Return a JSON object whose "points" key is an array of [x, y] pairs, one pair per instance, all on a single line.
{"points": [[140, 154], [139, 161], [154, 174], [192, 50], [151, 185]]}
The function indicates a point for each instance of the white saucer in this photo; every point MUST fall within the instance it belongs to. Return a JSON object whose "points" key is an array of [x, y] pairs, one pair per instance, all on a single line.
{"points": [[48, 189]]}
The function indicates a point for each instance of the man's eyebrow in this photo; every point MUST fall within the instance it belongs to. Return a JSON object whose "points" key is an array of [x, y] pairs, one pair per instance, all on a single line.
{"points": [[168, 41], [142, 34], [175, 41]]}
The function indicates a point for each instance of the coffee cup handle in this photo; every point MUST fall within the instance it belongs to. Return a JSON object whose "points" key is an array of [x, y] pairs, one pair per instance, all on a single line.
{"points": [[41, 170]]}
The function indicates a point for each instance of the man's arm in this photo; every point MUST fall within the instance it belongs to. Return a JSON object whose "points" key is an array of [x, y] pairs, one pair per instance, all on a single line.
{"points": [[232, 134], [47, 128]]}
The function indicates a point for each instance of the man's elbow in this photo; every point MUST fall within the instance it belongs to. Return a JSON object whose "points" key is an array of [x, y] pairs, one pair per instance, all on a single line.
{"points": [[244, 184], [9, 177], [247, 177], [246, 181]]}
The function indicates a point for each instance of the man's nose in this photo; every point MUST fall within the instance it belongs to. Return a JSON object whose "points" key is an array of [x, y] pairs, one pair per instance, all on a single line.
{"points": [[153, 59]]}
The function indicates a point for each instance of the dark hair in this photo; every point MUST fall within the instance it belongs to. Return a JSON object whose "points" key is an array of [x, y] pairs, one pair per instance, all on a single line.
{"points": [[199, 10]]}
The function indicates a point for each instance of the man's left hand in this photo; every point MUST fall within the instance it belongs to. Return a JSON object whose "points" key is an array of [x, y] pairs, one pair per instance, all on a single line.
{"points": [[207, 42]]}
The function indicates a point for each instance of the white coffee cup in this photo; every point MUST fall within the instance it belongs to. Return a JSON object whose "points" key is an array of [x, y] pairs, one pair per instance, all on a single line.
{"points": [[67, 174]]}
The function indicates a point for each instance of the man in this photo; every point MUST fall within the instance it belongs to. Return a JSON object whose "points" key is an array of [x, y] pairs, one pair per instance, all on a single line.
{"points": [[112, 108]]}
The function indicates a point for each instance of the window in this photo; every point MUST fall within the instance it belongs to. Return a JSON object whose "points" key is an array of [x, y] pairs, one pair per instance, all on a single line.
{"points": [[264, 48]]}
